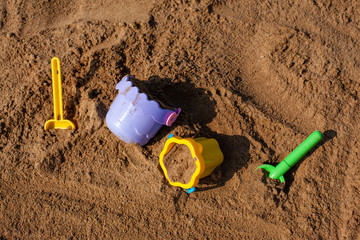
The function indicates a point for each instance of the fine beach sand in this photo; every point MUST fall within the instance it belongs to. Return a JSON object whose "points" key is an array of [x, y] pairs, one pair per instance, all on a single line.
{"points": [[179, 164], [258, 76]]}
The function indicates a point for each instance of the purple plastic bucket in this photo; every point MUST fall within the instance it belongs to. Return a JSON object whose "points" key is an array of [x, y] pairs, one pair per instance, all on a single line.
{"points": [[134, 118]]}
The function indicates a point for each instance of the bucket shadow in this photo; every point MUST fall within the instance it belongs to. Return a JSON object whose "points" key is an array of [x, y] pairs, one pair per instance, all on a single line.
{"points": [[290, 175], [236, 156]]}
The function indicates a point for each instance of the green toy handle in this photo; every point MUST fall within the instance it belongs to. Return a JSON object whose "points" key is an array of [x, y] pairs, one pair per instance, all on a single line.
{"points": [[299, 152]]}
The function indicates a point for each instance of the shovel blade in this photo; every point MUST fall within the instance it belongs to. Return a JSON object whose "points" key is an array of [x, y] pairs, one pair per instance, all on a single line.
{"points": [[59, 124]]}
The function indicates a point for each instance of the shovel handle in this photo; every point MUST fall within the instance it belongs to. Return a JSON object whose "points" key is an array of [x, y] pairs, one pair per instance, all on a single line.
{"points": [[57, 91]]}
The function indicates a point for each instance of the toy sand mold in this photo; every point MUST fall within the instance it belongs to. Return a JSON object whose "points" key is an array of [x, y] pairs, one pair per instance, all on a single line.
{"points": [[203, 155]]}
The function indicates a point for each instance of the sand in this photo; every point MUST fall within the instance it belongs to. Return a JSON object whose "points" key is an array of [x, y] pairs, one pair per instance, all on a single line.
{"points": [[258, 76], [179, 164], [144, 87]]}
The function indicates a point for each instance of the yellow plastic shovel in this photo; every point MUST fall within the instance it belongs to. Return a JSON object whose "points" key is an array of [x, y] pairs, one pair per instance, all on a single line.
{"points": [[58, 122]]}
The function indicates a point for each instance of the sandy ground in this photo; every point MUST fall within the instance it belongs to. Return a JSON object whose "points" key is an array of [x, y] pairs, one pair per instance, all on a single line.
{"points": [[258, 76]]}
